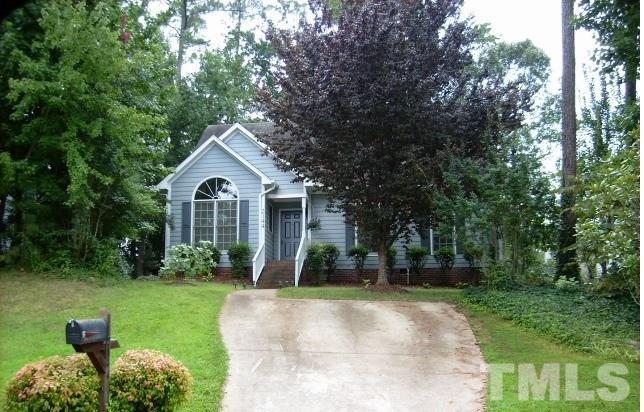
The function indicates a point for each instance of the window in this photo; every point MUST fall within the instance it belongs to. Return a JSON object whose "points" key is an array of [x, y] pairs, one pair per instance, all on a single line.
{"points": [[365, 240], [441, 239], [215, 207]]}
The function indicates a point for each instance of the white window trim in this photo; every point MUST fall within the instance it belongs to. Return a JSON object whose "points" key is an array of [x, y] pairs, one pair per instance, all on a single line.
{"points": [[431, 240], [214, 223]]}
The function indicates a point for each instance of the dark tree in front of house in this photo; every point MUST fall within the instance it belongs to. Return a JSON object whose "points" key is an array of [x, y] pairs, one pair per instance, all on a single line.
{"points": [[374, 96]]}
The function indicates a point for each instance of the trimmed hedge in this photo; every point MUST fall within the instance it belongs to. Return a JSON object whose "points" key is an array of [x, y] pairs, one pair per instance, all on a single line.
{"points": [[148, 380], [142, 380], [586, 322], [55, 384]]}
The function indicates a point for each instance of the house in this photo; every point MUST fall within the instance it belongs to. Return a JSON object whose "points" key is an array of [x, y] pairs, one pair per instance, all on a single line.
{"points": [[228, 191]]}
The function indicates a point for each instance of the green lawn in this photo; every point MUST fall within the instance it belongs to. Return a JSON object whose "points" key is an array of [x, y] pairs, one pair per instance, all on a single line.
{"points": [[504, 342], [181, 320]]}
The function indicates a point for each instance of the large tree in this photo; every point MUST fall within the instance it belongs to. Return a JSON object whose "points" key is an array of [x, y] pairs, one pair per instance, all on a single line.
{"points": [[374, 96], [87, 134], [616, 24], [566, 257]]}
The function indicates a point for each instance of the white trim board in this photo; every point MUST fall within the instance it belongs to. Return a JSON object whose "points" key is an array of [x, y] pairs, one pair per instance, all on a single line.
{"points": [[201, 150]]}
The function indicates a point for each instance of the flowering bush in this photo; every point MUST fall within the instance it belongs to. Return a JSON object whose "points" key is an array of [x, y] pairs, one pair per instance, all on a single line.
{"points": [[55, 384], [191, 260], [148, 380]]}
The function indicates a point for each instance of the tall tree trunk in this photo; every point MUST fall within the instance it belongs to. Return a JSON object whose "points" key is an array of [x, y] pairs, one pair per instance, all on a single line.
{"points": [[182, 34], [567, 255], [382, 263], [630, 94]]}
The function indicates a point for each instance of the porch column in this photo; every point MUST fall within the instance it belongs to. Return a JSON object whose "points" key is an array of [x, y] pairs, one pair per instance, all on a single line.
{"points": [[305, 219]]}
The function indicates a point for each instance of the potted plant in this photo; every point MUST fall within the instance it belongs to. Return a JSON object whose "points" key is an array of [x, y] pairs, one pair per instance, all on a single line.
{"points": [[445, 256]]}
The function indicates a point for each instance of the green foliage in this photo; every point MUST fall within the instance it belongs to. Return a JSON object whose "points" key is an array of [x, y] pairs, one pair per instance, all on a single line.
{"points": [[473, 253], [87, 133], [239, 253], [358, 254], [604, 326], [445, 256], [391, 258], [568, 285], [330, 252], [146, 380], [417, 258], [609, 227], [56, 383], [315, 261], [215, 254], [190, 260], [496, 277]]}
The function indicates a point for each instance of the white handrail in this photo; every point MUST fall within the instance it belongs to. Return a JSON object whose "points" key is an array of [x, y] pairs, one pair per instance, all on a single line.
{"points": [[259, 260], [299, 259]]}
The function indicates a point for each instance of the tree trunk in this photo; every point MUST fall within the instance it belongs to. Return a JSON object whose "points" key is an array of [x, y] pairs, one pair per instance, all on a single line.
{"points": [[567, 256], [630, 93], [182, 34], [382, 263]]}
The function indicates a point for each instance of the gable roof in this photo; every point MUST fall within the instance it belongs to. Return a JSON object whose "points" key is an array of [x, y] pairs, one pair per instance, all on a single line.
{"points": [[202, 148], [220, 129]]}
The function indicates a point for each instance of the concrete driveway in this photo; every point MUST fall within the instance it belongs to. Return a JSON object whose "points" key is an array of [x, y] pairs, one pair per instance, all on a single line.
{"points": [[323, 355]]}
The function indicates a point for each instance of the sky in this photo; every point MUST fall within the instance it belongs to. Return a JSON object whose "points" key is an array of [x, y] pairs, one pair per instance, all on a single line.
{"points": [[510, 20]]}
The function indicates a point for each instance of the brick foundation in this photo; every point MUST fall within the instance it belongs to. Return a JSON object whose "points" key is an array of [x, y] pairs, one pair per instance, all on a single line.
{"points": [[433, 276], [223, 274]]}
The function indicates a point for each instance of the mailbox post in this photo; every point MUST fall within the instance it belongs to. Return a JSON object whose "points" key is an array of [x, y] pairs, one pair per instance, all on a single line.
{"points": [[93, 337]]}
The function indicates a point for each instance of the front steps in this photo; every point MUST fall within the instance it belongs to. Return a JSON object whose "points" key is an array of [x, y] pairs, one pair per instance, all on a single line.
{"points": [[276, 274]]}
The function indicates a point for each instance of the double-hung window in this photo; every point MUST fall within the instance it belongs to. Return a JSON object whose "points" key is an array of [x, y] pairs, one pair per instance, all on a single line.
{"points": [[215, 213]]}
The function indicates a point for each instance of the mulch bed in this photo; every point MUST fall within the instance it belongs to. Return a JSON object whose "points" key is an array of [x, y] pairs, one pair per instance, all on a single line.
{"points": [[386, 289]]}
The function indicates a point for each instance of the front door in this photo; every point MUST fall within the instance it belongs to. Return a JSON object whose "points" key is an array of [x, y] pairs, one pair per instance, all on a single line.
{"points": [[290, 233]]}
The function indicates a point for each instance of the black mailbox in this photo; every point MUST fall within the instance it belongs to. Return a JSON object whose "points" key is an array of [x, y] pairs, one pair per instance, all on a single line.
{"points": [[80, 332]]}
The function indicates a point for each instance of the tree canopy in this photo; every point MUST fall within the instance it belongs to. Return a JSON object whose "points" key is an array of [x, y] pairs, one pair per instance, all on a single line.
{"points": [[373, 98]]}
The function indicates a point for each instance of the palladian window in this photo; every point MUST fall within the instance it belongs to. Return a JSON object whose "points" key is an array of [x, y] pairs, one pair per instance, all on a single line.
{"points": [[215, 209]]}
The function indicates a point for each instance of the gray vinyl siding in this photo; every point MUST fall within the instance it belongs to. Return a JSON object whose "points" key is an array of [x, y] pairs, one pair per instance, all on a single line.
{"points": [[251, 152], [216, 162], [333, 231]]}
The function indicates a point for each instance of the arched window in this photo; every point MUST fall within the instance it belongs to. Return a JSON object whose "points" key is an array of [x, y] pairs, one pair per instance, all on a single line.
{"points": [[215, 207]]}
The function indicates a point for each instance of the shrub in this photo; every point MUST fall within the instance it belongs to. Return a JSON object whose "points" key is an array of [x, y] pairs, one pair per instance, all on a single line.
{"points": [[148, 380], [567, 285], [56, 383], [180, 260], [215, 254], [207, 258], [330, 253], [358, 254], [445, 256], [315, 261], [473, 253], [239, 253], [417, 257], [496, 277]]}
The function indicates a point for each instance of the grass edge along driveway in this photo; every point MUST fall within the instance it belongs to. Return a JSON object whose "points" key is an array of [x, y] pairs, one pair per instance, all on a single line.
{"points": [[181, 320], [504, 342]]}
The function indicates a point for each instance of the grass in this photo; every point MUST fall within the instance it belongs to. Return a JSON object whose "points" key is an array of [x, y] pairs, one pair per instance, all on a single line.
{"points": [[181, 320], [505, 342]]}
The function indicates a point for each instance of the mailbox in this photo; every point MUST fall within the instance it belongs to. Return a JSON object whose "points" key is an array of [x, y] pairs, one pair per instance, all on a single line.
{"points": [[80, 332]]}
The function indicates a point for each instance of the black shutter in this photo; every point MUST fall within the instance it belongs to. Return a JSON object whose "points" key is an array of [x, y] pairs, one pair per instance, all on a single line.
{"points": [[243, 220], [186, 209], [350, 236]]}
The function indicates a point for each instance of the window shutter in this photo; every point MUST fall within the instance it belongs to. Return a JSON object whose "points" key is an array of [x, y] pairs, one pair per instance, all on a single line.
{"points": [[186, 209], [243, 220], [425, 239], [350, 236]]}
